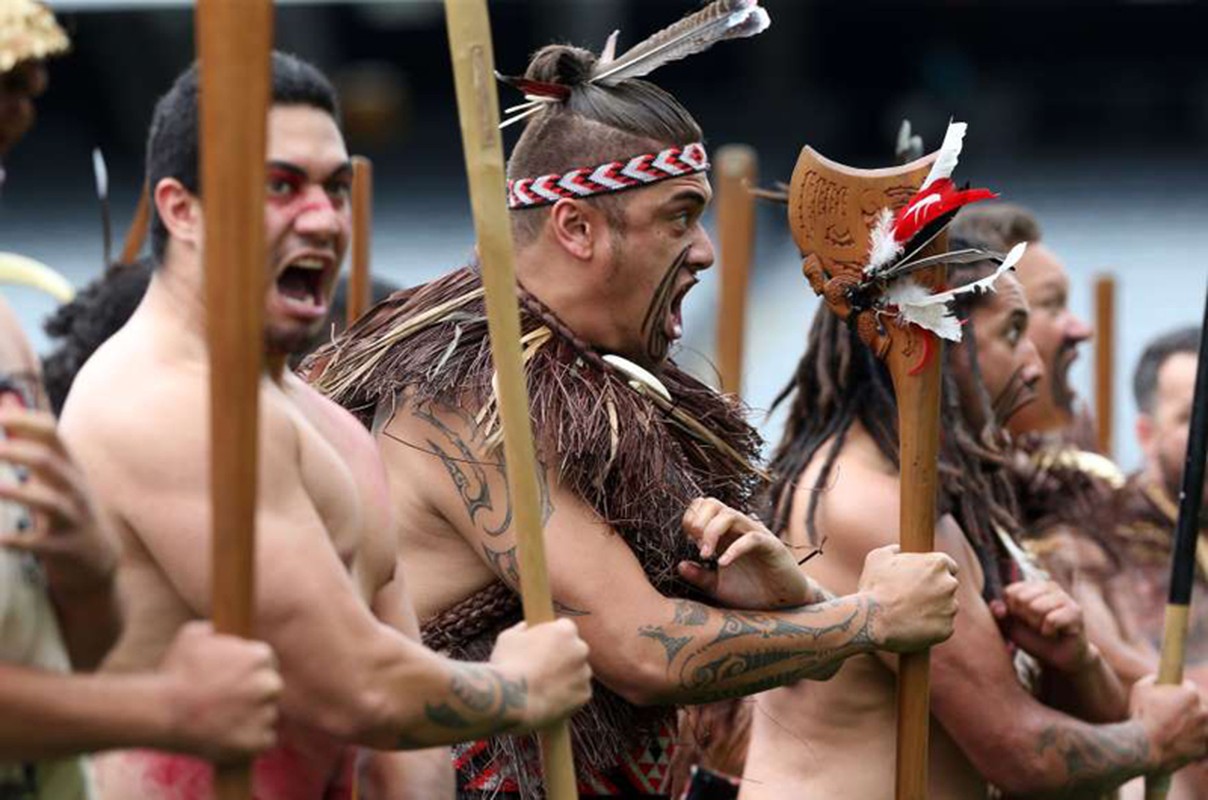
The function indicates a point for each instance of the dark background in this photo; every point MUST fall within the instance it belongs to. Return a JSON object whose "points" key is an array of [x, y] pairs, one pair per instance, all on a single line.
{"points": [[1093, 113]]}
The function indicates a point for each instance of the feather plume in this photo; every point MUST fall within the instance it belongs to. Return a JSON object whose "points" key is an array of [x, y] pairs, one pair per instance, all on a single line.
{"points": [[918, 306], [950, 152], [609, 53], [885, 247], [716, 22]]}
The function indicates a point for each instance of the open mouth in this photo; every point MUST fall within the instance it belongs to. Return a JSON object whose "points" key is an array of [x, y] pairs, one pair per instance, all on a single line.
{"points": [[675, 312], [302, 286], [1063, 393]]}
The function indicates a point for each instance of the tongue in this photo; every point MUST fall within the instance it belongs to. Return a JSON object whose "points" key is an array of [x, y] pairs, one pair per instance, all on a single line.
{"points": [[294, 285]]}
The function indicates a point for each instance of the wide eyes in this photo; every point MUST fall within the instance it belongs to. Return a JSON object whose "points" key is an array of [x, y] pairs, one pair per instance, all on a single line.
{"points": [[280, 187]]}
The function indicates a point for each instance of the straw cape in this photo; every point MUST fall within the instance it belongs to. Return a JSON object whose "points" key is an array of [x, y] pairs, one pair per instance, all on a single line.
{"points": [[636, 457]]}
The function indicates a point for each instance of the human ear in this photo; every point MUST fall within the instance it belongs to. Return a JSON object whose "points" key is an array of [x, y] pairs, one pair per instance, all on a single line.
{"points": [[576, 227], [179, 210]]}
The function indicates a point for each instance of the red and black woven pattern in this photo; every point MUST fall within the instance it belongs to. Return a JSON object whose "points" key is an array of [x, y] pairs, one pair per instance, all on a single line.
{"points": [[615, 176]]}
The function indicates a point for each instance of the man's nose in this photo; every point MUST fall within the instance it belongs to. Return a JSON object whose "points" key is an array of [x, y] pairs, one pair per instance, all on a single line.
{"points": [[1076, 330], [1033, 366], [701, 254], [321, 215]]}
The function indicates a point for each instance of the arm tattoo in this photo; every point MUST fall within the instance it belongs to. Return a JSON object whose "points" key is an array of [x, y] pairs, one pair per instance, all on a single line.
{"points": [[469, 473], [740, 652], [464, 469], [1102, 756], [482, 700]]}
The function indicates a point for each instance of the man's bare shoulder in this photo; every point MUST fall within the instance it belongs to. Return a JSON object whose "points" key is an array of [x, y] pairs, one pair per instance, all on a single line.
{"points": [[858, 503], [128, 404]]}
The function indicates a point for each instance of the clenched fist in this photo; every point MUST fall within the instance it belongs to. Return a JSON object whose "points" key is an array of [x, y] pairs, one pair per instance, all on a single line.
{"points": [[913, 597], [221, 694], [552, 661]]}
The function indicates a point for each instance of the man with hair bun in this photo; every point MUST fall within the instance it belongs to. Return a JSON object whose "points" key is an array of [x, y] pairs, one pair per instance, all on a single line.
{"points": [[646, 471]]}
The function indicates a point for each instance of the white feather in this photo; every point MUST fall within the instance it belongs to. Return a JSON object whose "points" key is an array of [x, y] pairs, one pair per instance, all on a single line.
{"points": [[693, 34], [949, 154], [609, 53], [884, 249], [917, 305], [100, 172]]}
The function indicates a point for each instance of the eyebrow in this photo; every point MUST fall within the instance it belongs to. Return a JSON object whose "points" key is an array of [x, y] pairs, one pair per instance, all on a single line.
{"points": [[695, 196], [340, 171]]}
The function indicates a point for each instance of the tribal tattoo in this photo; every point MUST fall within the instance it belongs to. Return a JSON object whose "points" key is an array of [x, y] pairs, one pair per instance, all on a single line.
{"points": [[1101, 756], [481, 700], [738, 652], [653, 328]]}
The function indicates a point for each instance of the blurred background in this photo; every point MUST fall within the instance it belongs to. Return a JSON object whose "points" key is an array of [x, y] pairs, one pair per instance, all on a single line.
{"points": [[1094, 114]]}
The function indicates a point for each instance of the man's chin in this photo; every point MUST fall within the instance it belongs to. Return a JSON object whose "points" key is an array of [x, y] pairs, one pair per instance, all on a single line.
{"points": [[291, 340]]}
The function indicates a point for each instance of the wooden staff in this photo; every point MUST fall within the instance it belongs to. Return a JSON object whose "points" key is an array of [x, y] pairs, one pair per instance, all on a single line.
{"points": [[918, 396], [137, 234], [234, 39], [1182, 560], [478, 110], [737, 171], [359, 283], [1105, 349], [913, 356]]}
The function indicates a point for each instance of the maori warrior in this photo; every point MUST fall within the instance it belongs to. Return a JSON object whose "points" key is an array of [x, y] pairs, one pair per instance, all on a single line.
{"points": [[837, 479], [682, 598]]}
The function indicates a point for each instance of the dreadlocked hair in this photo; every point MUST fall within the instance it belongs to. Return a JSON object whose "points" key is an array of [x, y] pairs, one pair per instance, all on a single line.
{"points": [[840, 382]]}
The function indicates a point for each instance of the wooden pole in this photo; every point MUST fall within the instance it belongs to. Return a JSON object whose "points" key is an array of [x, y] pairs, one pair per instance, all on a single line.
{"points": [[478, 110], [359, 281], [1105, 349], [234, 38], [1182, 559], [918, 397], [137, 234], [737, 172]]}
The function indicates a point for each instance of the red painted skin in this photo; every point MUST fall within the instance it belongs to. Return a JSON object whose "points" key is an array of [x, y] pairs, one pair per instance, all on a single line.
{"points": [[294, 770]]}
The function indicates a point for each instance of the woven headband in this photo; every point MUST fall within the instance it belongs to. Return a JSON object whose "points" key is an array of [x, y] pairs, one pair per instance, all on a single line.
{"points": [[615, 176]]}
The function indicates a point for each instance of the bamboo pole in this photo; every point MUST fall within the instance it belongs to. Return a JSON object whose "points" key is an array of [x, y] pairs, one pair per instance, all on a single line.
{"points": [[478, 110], [1182, 559], [1105, 349], [359, 276], [137, 234], [234, 39], [737, 172]]}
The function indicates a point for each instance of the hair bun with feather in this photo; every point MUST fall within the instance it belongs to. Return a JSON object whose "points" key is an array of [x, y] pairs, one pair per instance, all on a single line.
{"points": [[562, 64]]}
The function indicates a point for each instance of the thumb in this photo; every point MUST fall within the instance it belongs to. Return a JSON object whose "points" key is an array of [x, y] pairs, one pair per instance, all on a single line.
{"points": [[698, 576]]}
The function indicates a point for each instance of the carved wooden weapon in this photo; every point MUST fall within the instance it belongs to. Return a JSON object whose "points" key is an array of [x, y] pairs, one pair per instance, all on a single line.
{"points": [[1182, 559], [234, 40], [737, 171], [875, 248], [478, 110]]}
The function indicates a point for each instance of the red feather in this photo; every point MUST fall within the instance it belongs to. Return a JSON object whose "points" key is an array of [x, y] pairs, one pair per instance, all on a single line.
{"points": [[932, 203], [557, 91]]}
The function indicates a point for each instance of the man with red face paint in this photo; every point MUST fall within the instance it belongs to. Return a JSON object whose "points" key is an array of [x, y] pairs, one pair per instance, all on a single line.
{"points": [[329, 594], [682, 598]]}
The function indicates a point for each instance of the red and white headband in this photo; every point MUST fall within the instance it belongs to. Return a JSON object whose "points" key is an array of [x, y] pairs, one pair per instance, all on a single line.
{"points": [[615, 176]]}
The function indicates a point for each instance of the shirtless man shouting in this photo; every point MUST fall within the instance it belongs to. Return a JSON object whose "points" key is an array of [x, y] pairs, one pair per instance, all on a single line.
{"points": [[326, 553]]}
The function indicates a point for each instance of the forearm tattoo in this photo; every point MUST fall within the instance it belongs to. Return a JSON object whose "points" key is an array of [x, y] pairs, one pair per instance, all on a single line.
{"points": [[714, 654], [481, 702], [1096, 757]]}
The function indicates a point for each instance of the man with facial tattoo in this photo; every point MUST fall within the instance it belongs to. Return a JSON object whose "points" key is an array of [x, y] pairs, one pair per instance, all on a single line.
{"points": [[682, 598], [1022, 704]]}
